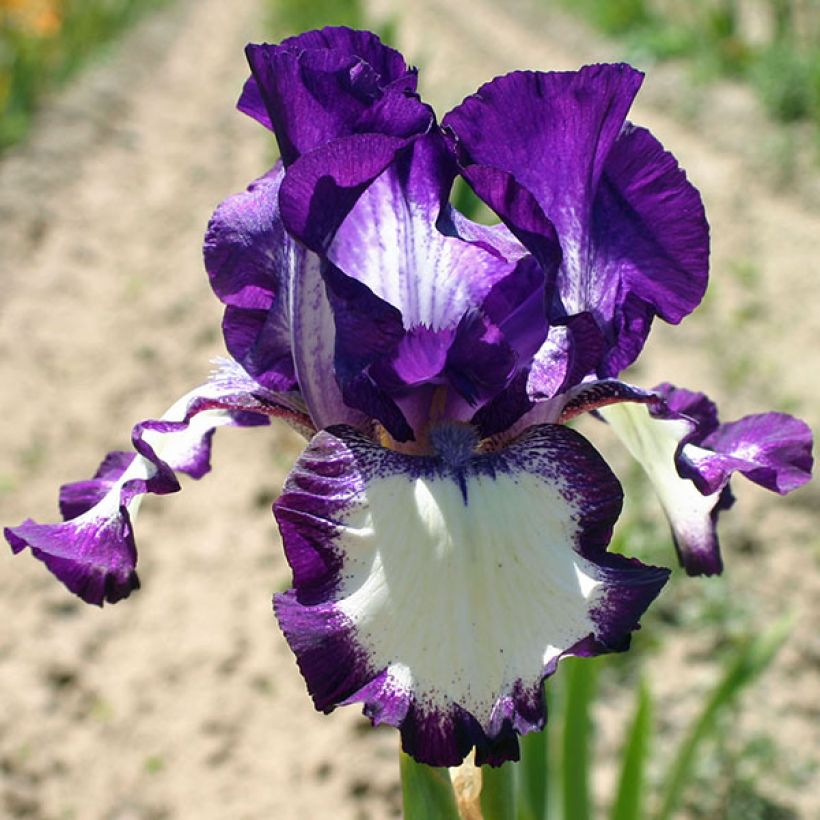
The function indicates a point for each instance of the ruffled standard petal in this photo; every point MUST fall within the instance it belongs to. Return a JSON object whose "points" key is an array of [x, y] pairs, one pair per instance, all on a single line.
{"points": [[552, 132], [93, 551], [690, 457], [631, 227], [440, 591], [649, 235], [391, 242], [321, 187], [331, 83], [342, 106]]}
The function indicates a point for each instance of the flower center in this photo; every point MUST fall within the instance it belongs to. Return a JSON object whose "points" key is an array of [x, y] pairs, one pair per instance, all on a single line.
{"points": [[455, 442]]}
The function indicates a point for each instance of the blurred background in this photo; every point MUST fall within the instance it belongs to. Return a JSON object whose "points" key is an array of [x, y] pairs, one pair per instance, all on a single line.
{"points": [[118, 137]]}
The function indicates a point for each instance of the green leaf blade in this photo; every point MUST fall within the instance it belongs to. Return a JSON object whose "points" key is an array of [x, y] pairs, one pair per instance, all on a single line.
{"points": [[534, 776], [750, 660], [577, 739], [498, 792], [427, 792], [629, 799]]}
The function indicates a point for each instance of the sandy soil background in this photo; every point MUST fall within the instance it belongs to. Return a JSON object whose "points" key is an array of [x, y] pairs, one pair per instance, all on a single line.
{"points": [[184, 702]]}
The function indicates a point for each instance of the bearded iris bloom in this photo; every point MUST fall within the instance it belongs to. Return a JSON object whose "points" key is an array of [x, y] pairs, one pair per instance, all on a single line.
{"points": [[446, 529]]}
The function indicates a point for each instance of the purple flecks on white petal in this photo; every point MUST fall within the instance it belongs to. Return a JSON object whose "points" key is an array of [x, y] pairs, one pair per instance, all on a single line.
{"points": [[440, 591]]}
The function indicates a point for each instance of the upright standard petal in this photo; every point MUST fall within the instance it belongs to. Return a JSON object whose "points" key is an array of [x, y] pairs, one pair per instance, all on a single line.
{"points": [[331, 83], [392, 243], [650, 237], [631, 227], [440, 591], [93, 551]]}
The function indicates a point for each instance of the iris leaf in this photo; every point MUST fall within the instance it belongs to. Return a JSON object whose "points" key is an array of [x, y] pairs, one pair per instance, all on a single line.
{"points": [[427, 792], [533, 771], [580, 681], [498, 792], [751, 658], [629, 799]]}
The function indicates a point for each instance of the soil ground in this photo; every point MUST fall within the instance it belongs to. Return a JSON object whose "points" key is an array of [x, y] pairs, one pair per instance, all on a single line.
{"points": [[184, 702]]}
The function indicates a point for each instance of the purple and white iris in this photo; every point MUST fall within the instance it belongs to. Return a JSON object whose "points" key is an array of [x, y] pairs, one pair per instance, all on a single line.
{"points": [[447, 531]]}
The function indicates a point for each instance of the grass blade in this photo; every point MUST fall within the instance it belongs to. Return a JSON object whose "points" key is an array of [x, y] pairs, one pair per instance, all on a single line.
{"points": [[752, 657], [631, 787]]}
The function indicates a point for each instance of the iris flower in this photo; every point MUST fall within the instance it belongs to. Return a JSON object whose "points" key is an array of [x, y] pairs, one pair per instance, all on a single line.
{"points": [[446, 529]]}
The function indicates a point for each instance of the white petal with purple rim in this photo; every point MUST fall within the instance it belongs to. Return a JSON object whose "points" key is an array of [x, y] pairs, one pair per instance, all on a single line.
{"points": [[692, 515], [441, 591], [508, 612]]}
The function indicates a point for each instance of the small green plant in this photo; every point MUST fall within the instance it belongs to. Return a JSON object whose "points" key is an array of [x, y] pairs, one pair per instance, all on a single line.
{"points": [[784, 71], [43, 44], [788, 81], [294, 16]]}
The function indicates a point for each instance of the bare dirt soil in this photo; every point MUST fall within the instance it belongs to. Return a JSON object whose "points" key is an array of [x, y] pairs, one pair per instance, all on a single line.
{"points": [[184, 701]]}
